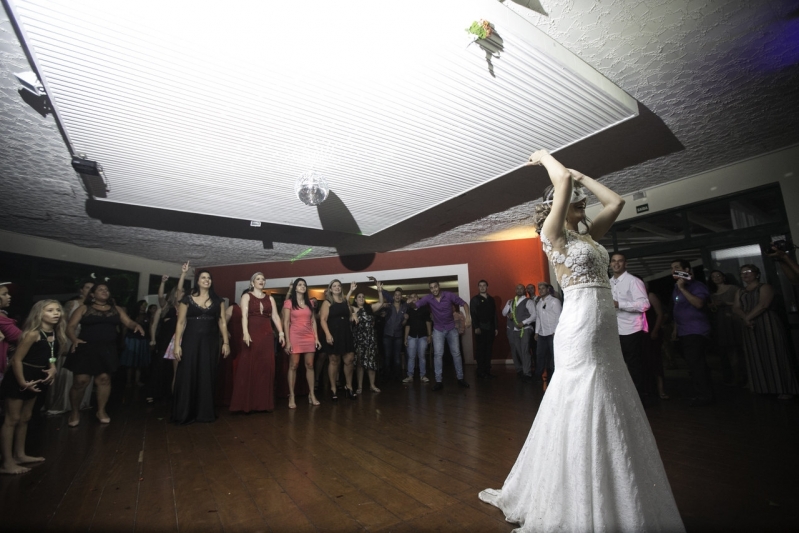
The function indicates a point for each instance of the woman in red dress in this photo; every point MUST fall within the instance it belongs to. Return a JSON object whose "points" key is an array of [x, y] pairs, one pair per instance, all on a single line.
{"points": [[254, 383], [300, 323]]}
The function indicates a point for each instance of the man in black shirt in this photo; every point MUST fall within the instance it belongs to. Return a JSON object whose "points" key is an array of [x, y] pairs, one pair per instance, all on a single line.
{"points": [[484, 317], [418, 334]]}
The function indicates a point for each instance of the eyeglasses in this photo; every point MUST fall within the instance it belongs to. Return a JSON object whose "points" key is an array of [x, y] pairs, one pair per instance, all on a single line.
{"points": [[747, 271]]}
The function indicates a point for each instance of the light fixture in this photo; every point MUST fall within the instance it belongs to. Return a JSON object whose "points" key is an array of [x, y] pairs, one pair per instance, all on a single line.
{"points": [[311, 188], [30, 82], [92, 175]]}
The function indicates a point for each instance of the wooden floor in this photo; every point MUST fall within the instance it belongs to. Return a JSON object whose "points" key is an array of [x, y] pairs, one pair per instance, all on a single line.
{"points": [[407, 459]]}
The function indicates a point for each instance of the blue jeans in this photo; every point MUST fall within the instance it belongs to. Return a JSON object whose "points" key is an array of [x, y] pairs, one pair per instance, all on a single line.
{"points": [[392, 347], [417, 346], [452, 338]]}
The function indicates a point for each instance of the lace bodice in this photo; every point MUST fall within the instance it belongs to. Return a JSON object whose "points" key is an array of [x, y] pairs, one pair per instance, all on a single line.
{"points": [[582, 261]]}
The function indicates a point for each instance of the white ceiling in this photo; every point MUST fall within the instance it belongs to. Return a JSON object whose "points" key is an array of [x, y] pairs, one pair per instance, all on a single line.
{"points": [[721, 76]]}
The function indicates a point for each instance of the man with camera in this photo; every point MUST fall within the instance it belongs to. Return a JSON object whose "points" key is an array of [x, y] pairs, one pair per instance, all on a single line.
{"points": [[778, 251], [692, 328]]}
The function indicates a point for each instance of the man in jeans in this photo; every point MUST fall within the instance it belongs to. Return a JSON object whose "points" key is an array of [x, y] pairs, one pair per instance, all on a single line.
{"points": [[547, 310], [692, 328], [418, 334], [393, 333], [441, 303]]}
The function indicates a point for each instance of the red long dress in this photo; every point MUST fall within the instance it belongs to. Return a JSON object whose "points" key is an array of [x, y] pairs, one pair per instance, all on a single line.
{"points": [[254, 382]]}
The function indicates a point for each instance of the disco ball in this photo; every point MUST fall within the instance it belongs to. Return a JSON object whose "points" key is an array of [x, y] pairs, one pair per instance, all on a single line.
{"points": [[311, 188]]}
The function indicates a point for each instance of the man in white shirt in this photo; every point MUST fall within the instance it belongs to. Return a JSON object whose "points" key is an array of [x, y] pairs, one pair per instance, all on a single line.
{"points": [[631, 302], [547, 310], [521, 313]]}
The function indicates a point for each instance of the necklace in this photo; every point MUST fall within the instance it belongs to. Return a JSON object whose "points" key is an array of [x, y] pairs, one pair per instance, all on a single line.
{"points": [[52, 345]]}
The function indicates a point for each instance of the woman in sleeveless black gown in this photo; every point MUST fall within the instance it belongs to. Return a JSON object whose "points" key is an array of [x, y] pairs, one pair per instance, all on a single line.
{"points": [[94, 351], [201, 319], [339, 344]]}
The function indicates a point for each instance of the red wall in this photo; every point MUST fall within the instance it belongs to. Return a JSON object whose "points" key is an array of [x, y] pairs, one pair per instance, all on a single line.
{"points": [[502, 263]]}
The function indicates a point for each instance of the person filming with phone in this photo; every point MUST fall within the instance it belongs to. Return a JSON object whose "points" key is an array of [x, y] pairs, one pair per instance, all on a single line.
{"points": [[692, 328]]}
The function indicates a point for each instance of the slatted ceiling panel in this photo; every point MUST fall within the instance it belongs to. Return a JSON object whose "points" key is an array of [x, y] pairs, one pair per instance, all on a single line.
{"points": [[219, 111]]}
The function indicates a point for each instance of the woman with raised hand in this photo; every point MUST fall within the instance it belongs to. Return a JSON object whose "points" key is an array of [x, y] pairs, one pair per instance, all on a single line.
{"points": [[32, 370], [300, 324], [590, 462], [254, 382], [339, 345], [94, 350], [162, 382], [365, 340], [201, 319]]}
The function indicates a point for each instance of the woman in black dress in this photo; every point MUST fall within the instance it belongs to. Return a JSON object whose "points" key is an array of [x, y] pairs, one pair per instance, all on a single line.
{"points": [[335, 320], [201, 318], [162, 378], [94, 351], [365, 341], [31, 370]]}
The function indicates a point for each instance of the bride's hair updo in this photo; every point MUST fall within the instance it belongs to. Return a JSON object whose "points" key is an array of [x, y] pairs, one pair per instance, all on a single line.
{"points": [[543, 209]]}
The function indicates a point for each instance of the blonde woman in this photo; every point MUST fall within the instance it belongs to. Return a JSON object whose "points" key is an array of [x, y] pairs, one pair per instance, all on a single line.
{"points": [[32, 370], [254, 382], [339, 345]]}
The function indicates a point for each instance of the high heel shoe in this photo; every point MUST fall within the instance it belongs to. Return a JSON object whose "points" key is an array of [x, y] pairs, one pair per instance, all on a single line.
{"points": [[374, 389], [292, 404], [350, 394], [335, 396], [313, 401]]}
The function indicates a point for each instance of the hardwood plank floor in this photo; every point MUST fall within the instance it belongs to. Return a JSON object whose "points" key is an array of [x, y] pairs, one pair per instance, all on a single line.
{"points": [[406, 459]]}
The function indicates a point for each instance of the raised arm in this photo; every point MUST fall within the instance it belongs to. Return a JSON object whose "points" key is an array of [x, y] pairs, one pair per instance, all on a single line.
{"points": [[562, 182], [611, 202], [161, 291], [376, 307]]}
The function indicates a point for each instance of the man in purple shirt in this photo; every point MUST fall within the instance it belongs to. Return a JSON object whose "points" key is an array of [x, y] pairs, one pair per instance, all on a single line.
{"points": [[441, 303], [692, 328]]}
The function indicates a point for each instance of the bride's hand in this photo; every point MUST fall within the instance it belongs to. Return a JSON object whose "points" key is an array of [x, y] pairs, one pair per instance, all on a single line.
{"points": [[576, 175], [535, 159]]}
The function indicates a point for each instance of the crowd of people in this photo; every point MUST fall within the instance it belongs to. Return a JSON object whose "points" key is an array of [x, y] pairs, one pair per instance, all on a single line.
{"points": [[201, 354]]}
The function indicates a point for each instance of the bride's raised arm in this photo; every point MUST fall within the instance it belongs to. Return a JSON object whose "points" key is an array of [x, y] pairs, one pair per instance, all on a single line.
{"points": [[561, 180], [612, 204]]}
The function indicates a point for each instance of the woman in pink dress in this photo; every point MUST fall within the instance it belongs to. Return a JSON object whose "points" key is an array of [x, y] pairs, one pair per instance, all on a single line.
{"points": [[254, 382], [299, 321]]}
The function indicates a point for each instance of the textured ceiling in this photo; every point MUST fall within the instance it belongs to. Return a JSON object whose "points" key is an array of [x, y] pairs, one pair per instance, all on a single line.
{"points": [[721, 76]]}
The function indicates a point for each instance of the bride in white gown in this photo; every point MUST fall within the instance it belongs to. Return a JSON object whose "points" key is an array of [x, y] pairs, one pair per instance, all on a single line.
{"points": [[590, 462]]}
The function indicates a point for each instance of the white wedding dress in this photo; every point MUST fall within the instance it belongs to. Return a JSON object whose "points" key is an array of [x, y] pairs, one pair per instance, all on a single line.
{"points": [[590, 462]]}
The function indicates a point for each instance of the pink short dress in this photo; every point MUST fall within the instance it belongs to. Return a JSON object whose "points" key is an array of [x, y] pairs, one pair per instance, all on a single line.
{"points": [[300, 332]]}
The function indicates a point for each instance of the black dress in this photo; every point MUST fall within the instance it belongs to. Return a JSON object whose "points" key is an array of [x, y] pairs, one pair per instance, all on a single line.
{"points": [[194, 383], [98, 354], [338, 322], [37, 360], [159, 383]]}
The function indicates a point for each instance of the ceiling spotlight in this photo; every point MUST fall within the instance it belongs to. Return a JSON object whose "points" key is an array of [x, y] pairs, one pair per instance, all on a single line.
{"points": [[32, 92], [30, 82], [92, 175], [311, 188]]}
